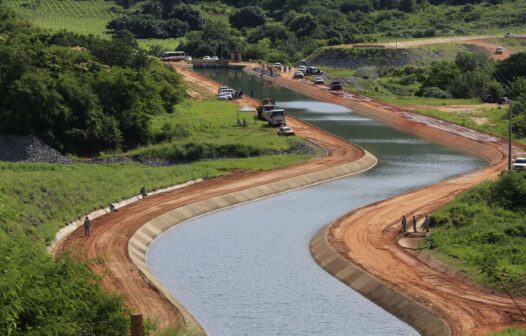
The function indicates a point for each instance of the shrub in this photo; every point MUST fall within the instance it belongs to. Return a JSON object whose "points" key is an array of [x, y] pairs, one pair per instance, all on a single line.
{"points": [[435, 92]]}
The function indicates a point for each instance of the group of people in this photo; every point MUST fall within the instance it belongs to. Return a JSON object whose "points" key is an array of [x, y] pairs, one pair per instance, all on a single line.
{"points": [[87, 220], [427, 222]]}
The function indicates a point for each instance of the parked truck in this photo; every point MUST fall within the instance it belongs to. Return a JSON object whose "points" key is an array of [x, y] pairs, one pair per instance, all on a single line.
{"points": [[276, 117], [267, 104]]}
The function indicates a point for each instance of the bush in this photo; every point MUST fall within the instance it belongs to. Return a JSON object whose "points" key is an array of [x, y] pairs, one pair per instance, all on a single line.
{"points": [[435, 92]]}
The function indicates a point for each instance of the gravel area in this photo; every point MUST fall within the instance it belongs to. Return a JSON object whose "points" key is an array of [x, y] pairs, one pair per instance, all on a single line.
{"points": [[27, 148]]}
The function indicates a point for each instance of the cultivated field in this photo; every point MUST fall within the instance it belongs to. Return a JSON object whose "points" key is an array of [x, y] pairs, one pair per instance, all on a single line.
{"points": [[83, 17]]}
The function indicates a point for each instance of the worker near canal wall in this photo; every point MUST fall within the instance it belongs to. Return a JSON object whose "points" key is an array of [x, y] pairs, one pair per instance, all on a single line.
{"points": [[87, 225], [426, 223], [414, 223], [404, 224]]}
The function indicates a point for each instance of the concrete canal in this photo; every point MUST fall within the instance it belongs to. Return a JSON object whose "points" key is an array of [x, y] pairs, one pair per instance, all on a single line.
{"points": [[247, 270]]}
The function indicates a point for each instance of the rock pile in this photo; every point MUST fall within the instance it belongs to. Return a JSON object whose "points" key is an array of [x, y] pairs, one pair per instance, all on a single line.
{"points": [[27, 148]]}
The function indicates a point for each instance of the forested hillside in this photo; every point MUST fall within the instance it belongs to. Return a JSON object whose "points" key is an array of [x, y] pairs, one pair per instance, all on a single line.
{"points": [[284, 30]]}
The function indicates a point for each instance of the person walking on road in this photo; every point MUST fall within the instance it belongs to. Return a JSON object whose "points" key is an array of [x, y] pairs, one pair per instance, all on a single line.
{"points": [[87, 225], [143, 189], [414, 223], [426, 223], [404, 224], [112, 207]]}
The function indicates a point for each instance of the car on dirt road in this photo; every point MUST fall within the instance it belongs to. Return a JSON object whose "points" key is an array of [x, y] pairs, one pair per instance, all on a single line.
{"points": [[519, 163], [503, 100], [319, 80], [285, 131], [214, 58], [499, 50], [206, 58], [298, 75], [335, 86]]}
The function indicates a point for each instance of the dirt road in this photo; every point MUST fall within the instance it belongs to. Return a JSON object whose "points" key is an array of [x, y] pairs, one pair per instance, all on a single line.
{"points": [[367, 236], [110, 233]]}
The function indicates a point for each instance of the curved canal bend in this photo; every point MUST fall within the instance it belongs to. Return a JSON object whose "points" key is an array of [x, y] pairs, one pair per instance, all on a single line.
{"points": [[247, 270]]}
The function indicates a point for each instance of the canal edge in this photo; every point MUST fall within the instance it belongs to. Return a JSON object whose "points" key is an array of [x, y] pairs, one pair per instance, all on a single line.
{"points": [[380, 293], [141, 240]]}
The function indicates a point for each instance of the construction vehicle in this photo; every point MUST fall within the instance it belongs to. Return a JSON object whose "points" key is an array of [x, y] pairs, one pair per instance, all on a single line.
{"points": [[276, 117], [267, 104]]}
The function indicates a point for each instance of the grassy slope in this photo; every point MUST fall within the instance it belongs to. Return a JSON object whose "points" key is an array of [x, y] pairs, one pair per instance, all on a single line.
{"points": [[46, 196], [510, 332], [477, 224], [214, 122]]}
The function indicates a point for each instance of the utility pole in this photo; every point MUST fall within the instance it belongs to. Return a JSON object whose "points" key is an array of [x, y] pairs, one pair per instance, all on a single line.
{"points": [[510, 115]]}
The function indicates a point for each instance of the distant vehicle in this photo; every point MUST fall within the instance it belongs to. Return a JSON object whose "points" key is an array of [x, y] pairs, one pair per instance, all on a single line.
{"points": [[313, 71], [286, 131], [298, 75], [224, 96], [336, 86], [519, 163], [222, 88], [214, 58], [499, 50], [489, 99], [503, 100], [319, 80], [276, 117], [169, 56], [277, 65], [188, 58], [508, 35], [267, 105], [302, 68], [303, 62], [206, 58]]}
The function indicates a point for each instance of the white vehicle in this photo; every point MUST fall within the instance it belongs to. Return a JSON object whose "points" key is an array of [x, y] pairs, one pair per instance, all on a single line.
{"points": [[214, 58], [276, 117], [206, 58], [169, 56], [299, 75], [222, 88], [319, 80], [302, 68], [188, 58], [286, 131], [277, 65], [224, 96], [499, 50], [519, 163]]}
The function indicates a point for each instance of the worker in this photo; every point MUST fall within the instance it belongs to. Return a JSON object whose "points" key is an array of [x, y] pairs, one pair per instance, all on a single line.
{"points": [[426, 223], [404, 224], [112, 207], [143, 192], [251, 93], [414, 223], [87, 225], [245, 122]]}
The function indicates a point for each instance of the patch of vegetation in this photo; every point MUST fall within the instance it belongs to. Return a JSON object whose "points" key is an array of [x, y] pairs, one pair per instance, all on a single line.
{"points": [[207, 130], [82, 17], [484, 230], [80, 94], [510, 332]]}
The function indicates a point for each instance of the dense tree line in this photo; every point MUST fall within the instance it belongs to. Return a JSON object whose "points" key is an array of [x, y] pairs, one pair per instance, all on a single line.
{"points": [[80, 94], [297, 27]]}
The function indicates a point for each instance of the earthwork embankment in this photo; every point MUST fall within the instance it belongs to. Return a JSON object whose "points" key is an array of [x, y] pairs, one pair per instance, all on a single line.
{"points": [[120, 239], [361, 248]]}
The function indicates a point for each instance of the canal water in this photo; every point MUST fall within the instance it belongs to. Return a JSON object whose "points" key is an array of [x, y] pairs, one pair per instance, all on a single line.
{"points": [[247, 270]]}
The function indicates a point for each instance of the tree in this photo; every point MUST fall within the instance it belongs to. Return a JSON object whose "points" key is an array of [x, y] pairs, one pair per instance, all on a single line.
{"points": [[512, 67], [407, 6], [302, 24], [357, 6], [467, 61], [250, 16], [187, 14]]}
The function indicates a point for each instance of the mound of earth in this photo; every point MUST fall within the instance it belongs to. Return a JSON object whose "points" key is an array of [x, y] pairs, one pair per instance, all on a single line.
{"points": [[27, 148]]}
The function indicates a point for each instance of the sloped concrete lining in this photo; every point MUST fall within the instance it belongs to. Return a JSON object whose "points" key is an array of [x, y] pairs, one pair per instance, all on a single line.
{"points": [[423, 319], [69, 228], [142, 239]]}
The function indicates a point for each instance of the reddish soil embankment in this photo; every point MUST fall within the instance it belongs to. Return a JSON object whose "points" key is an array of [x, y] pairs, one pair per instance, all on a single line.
{"points": [[110, 233]]}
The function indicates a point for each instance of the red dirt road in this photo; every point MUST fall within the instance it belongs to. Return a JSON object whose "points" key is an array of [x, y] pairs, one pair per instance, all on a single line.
{"points": [[110, 233], [368, 236]]}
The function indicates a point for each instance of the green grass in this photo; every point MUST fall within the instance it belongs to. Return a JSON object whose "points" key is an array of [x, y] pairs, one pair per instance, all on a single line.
{"points": [[212, 124], [83, 17], [510, 332], [512, 44], [497, 122], [44, 197], [169, 44], [482, 233]]}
